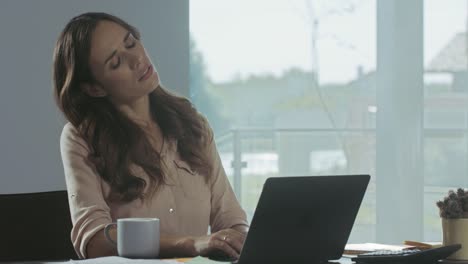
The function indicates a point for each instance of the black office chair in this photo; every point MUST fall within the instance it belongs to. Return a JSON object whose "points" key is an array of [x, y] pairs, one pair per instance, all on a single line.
{"points": [[35, 226]]}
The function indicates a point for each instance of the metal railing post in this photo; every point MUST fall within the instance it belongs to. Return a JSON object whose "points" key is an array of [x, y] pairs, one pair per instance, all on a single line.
{"points": [[237, 164]]}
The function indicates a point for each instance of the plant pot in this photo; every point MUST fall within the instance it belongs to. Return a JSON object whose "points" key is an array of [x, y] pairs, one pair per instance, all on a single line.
{"points": [[455, 231]]}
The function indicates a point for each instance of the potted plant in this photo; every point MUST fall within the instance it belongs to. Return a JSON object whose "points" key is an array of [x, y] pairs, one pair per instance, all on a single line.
{"points": [[454, 213]]}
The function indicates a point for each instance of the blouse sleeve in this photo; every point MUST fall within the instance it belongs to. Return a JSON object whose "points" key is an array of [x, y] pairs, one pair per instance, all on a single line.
{"points": [[89, 211], [226, 211]]}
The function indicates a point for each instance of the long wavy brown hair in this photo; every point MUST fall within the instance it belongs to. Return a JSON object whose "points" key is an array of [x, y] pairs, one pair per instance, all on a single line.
{"points": [[115, 141]]}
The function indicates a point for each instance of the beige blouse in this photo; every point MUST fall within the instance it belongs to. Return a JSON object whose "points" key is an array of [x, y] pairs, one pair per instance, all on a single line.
{"points": [[186, 205]]}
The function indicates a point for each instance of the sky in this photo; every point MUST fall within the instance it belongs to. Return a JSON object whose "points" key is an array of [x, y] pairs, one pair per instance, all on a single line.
{"points": [[245, 37]]}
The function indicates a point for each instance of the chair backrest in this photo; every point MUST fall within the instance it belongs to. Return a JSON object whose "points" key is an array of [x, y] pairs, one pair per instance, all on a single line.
{"points": [[35, 226]]}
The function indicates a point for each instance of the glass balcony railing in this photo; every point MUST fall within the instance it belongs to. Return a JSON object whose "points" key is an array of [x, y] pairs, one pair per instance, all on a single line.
{"points": [[251, 155]]}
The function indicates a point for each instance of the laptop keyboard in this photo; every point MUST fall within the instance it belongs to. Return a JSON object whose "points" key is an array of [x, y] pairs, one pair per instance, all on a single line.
{"points": [[412, 256]]}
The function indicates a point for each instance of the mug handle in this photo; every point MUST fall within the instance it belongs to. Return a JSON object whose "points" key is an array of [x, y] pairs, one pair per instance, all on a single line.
{"points": [[106, 233]]}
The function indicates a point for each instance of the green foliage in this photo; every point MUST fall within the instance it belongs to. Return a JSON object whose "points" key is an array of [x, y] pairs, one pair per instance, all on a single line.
{"points": [[200, 94]]}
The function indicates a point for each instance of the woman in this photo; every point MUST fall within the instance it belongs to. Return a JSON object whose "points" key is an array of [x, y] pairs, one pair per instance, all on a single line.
{"points": [[132, 149]]}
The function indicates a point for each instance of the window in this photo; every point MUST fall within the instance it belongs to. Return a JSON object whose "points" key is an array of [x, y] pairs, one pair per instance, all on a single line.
{"points": [[291, 88]]}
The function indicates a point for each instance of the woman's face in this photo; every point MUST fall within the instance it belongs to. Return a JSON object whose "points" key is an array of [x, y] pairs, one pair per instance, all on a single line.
{"points": [[120, 65]]}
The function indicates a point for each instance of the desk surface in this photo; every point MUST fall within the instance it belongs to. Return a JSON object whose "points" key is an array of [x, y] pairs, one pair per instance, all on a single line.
{"points": [[118, 260]]}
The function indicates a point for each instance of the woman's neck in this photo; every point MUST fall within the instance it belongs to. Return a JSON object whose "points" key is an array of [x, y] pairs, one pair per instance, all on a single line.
{"points": [[138, 111]]}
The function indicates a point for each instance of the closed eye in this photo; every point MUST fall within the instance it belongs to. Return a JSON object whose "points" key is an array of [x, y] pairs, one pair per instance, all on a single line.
{"points": [[131, 45], [116, 65], [132, 41]]}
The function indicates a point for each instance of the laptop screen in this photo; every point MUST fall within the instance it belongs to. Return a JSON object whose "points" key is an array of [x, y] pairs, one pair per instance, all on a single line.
{"points": [[303, 219]]}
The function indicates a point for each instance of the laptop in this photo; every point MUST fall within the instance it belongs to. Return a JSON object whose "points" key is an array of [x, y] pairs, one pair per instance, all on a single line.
{"points": [[303, 219]]}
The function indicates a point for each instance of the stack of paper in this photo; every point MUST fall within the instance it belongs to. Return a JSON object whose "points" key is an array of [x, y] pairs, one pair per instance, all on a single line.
{"points": [[354, 249]]}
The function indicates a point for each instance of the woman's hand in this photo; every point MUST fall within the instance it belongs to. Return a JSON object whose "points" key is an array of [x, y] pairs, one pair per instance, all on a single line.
{"points": [[228, 241]]}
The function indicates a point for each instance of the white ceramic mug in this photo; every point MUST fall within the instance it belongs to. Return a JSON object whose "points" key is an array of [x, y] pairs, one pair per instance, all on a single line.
{"points": [[136, 237]]}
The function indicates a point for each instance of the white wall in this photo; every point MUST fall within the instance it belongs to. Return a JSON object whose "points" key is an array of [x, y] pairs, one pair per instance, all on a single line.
{"points": [[30, 123]]}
